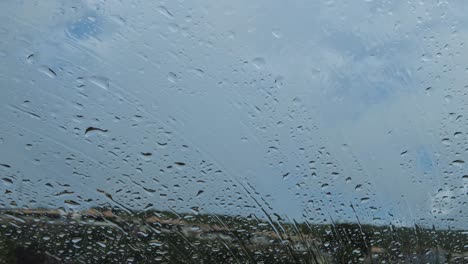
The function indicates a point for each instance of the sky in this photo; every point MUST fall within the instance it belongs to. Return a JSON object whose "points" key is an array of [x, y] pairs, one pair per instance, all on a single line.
{"points": [[306, 110]]}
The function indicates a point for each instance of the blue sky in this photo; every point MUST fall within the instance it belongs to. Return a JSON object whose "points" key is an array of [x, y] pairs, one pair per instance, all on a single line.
{"points": [[299, 108]]}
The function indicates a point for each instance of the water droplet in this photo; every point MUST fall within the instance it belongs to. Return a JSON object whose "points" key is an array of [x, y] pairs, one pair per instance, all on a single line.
{"points": [[279, 80], [258, 62], [458, 163], [199, 72], [276, 33], [101, 244], [48, 71], [174, 28], [163, 10], [71, 202], [172, 77], [155, 243], [31, 58], [76, 240], [91, 129], [446, 141], [99, 81], [8, 181]]}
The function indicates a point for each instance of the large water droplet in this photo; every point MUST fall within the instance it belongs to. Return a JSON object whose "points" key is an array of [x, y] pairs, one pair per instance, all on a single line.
{"points": [[172, 77]]}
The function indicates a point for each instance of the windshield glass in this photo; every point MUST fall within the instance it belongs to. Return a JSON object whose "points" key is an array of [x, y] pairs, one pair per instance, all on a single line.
{"points": [[233, 131]]}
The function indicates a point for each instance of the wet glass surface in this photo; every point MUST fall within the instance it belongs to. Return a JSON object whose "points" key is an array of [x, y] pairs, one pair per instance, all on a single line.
{"points": [[233, 132]]}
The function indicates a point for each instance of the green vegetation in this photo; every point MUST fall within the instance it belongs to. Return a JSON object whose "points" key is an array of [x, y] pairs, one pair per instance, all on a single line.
{"points": [[167, 237]]}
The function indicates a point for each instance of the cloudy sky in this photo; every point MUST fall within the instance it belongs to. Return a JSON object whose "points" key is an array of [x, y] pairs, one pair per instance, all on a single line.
{"points": [[293, 109]]}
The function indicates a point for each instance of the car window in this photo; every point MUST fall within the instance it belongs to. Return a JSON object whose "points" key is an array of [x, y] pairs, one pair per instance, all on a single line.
{"points": [[233, 131]]}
